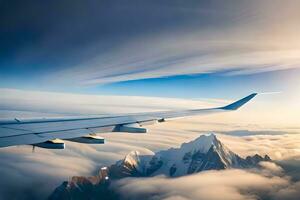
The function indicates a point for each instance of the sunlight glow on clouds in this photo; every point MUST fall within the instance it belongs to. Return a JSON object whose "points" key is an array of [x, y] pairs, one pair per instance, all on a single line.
{"points": [[261, 111], [69, 103], [81, 159], [55, 166], [210, 185]]}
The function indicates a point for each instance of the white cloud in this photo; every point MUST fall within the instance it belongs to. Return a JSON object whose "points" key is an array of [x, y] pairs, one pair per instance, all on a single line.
{"points": [[68, 103], [48, 168], [210, 185], [270, 168]]}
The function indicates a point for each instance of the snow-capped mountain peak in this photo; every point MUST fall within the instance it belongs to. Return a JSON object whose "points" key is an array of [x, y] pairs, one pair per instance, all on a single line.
{"points": [[204, 153], [202, 143]]}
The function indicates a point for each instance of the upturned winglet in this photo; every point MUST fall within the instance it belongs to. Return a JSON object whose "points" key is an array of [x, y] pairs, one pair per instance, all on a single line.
{"points": [[236, 105]]}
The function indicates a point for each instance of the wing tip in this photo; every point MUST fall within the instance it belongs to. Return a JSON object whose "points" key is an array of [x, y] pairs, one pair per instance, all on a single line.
{"points": [[239, 103]]}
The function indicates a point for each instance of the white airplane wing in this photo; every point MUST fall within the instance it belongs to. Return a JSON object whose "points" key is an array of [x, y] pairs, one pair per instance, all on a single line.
{"points": [[43, 132]]}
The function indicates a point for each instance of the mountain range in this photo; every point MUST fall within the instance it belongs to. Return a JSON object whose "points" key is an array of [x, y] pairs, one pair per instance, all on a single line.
{"points": [[206, 152]]}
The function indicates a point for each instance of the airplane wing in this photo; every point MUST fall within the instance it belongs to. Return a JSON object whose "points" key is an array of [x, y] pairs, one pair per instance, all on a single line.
{"points": [[43, 132]]}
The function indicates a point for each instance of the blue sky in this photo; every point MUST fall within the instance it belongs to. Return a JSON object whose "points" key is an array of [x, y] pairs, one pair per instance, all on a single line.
{"points": [[208, 49], [213, 85], [204, 85]]}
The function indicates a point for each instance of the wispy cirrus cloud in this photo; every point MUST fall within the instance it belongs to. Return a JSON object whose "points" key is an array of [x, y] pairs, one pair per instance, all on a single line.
{"points": [[104, 42], [251, 39], [182, 54]]}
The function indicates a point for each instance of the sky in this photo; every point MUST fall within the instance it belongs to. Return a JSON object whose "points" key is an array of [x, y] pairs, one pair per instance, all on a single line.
{"points": [[89, 46], [188, 50]]}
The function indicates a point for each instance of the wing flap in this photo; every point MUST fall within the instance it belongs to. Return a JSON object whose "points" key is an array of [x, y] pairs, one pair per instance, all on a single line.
{"points": [[9, 131], [20, 140], [65, 134], [38, 138]]}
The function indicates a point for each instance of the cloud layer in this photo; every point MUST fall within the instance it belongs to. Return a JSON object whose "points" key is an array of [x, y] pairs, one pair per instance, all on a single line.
{"points": [[24, 171], [68, 103], [212, 185]]}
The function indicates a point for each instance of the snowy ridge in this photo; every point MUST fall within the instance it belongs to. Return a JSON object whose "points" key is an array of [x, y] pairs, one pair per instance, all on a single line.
{"points": [[204, 153]]}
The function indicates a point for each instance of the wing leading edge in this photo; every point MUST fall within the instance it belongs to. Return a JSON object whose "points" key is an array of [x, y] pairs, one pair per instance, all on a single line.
{"points": [[36, 131]]}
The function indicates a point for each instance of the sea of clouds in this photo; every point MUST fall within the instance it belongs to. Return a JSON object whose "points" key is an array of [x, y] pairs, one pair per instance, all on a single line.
{"points": [[28, 175]]}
